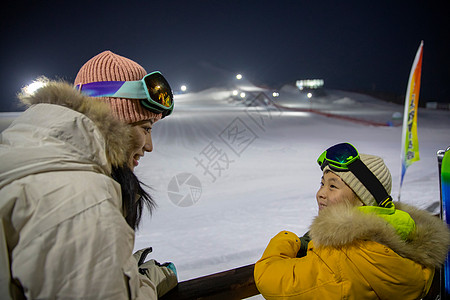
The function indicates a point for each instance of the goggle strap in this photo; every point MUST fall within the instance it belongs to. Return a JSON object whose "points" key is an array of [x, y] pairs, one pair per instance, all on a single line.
{"points": [[131, 90], [371, 182], [119, 89], [115, 89]]}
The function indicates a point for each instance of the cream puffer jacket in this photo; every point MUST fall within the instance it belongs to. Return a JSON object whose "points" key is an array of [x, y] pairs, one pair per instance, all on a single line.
{"points": [[62, 232]]}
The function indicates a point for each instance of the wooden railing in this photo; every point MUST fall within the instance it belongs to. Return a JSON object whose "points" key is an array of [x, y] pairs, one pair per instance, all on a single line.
{"points": [[238, 283], [231, 284]]}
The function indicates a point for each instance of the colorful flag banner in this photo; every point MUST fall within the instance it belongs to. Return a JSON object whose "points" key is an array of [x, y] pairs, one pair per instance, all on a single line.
{"points": [[410, 142]]}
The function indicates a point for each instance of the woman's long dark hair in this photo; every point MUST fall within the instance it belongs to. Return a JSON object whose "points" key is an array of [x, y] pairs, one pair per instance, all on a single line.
{"points": [[134, 197]]}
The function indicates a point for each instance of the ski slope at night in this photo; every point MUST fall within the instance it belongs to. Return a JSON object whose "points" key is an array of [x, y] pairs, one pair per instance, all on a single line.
{"points": [[227, 177]]}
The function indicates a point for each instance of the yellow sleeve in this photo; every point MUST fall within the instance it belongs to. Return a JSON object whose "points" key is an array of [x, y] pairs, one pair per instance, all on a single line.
{"points": [[279, 274], [274, 272]]}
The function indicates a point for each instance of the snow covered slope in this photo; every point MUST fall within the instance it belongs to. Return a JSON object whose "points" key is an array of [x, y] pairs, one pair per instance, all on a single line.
{"points": [[228, 177]]}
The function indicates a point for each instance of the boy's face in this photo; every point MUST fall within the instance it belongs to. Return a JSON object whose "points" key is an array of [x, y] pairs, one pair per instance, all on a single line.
{"points": [[333, 191]]}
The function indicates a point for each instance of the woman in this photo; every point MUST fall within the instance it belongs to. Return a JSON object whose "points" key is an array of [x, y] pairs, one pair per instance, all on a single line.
{"points": [[67, 226], [361, 246]]}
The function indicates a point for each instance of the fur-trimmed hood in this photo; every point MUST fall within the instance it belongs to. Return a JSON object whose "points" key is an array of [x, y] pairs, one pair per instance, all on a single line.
{"points": [[343, 225], [62, 125]]}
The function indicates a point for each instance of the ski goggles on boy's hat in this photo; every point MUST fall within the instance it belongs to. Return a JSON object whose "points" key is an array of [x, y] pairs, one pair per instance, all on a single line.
{"points": [[153, 90], [345, 158]]}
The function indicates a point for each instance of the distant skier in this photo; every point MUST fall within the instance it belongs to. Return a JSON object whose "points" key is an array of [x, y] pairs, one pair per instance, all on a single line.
{"points": [[69, 200], [361, 245]]}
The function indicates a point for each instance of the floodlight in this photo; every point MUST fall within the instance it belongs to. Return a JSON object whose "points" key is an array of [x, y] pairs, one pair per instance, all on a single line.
{"points": [[34, 86]]}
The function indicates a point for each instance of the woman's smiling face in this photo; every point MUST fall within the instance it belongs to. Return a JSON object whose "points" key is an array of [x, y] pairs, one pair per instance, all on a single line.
{"points": [[141, 142]]}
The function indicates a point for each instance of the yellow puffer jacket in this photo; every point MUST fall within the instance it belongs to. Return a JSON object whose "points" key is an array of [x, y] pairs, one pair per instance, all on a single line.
{"points": [[354, 255]]}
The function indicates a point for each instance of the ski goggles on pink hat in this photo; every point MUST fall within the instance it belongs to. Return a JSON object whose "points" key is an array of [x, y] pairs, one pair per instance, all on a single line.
{"points": [[153, 90], [345, 158]]}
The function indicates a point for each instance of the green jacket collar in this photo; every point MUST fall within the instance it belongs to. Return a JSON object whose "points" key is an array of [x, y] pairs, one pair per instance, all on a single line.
{"points": [[400, 220]]}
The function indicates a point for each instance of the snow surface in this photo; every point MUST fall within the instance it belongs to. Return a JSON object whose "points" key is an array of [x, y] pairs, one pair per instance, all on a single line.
{"points": [[247, 172], [268, 175]]}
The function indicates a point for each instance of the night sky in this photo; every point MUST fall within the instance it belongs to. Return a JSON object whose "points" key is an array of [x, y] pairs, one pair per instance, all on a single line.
{"points": [[352, 45]]}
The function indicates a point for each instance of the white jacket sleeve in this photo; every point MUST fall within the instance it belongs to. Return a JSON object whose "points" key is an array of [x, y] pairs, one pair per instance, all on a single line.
{"points": [[83, 251]]}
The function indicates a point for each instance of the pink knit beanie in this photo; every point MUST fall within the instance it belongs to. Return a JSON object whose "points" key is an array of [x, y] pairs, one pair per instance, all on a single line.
{"points": [[108, 66]]}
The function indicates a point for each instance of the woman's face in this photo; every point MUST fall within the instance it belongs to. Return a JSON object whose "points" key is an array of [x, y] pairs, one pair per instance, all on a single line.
{"points": [[142, 141], [333, 191]]}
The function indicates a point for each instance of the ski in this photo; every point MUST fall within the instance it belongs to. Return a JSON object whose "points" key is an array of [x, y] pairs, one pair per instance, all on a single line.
{"points": [[444, 181]]}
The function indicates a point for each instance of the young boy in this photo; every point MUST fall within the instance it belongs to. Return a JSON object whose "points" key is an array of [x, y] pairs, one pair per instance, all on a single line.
{"points": [[362, 245]]}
